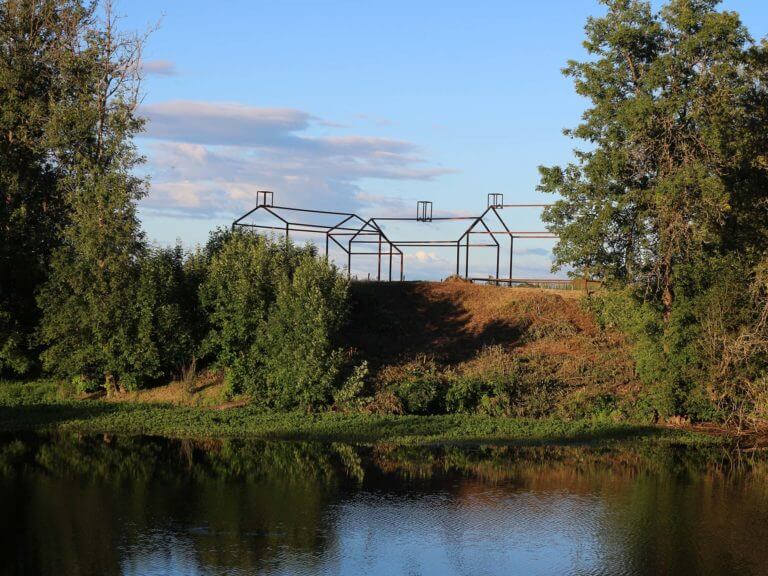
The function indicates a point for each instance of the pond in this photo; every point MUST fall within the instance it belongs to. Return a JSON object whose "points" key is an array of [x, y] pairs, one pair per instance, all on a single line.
{"points": [[75, 505]]}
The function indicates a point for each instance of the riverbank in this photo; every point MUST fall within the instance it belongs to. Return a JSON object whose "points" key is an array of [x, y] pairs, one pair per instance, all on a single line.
{"points": [[37, 406]]}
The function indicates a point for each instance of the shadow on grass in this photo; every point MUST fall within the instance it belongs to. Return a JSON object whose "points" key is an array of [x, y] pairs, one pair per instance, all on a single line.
{"points": [[165, 420], [43, 416], [392, 322], [468, 430]]}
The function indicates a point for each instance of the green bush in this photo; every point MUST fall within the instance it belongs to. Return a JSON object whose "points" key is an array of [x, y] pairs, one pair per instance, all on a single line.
{"points": [[499, 383], [83, 385], [418, 385], [165, 334], [273, 310], [350, 397], [240, 285], [301, 365]]}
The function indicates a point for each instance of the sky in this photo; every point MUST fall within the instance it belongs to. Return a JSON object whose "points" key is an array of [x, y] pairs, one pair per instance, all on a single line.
{"points": [[359, 106]]}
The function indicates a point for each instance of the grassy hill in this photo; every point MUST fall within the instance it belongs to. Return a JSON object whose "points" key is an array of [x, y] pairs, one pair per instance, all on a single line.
{"points": [[540, 342]]}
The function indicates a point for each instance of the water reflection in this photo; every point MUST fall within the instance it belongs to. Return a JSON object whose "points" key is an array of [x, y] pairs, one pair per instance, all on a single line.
{"points": [[119, 505]]}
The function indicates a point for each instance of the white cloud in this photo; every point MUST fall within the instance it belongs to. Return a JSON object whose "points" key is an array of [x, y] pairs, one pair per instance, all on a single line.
{"points": [[208, 159], [222, 123]]}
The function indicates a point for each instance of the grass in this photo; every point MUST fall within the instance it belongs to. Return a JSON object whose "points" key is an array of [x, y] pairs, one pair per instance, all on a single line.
{"points": [[37, 406]]}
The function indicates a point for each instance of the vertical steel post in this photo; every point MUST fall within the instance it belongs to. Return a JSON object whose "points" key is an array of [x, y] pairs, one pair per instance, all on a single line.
{"points": [[511, 256], [458, 255], [466, 259], [378, 272]]}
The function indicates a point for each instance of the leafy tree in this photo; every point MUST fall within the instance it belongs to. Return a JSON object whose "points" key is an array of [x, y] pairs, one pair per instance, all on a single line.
{"points": [[240, 286], [676, 166], [674, 180], [32, 207], [90, 321], [167, 333]]}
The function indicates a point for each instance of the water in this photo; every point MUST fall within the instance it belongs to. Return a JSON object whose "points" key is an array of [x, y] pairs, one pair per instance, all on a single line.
{"points": [[75, 505]]}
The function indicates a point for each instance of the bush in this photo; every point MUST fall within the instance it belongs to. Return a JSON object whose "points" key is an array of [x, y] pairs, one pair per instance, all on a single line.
{"points": [[83, 385], [166, 314], [350, 397], [240, 286], [274, 310], [301, 362], [499, 383], [418, 385]]}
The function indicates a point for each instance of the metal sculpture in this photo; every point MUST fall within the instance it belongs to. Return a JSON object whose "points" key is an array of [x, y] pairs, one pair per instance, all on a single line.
{"points": [[352, 233]]}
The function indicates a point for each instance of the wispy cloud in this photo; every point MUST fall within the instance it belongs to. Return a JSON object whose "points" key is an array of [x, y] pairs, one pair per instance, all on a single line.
{"points": [[209, 158], [159, 68]]}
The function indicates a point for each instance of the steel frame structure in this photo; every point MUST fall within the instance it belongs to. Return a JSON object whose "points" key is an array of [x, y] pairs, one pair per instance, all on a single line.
{"points": [[351, 233]]}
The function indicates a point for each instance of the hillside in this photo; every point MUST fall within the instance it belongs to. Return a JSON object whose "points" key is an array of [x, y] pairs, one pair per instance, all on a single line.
{"points": [[542, 339]]}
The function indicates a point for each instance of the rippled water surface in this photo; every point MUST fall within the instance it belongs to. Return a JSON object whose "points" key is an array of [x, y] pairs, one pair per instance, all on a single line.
{"points": [[74, 505]]}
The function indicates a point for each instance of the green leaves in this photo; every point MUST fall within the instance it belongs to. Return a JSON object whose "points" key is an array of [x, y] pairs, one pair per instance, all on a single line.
{"points": [[674, 184], [274, 310]]}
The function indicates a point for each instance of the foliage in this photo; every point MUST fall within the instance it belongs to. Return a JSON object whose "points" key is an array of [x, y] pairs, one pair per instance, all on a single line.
{"points": [[42, 410], [89, 323], [167, 315], [502, 384], [301, 363], [274, 310], [419, 385], [239, 287], [350, 396], [671, 195], [32, 206]]}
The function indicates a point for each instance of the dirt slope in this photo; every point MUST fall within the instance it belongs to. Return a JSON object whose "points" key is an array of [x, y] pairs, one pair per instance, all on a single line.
{"points": [[454, 322]]}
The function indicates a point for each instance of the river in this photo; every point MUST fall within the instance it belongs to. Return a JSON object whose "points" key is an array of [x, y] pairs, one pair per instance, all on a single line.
{"points": [[104, 505]]}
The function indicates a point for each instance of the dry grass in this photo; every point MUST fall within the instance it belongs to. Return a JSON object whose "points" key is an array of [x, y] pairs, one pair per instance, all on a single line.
{"points": [[207, 389], [469, 329]]}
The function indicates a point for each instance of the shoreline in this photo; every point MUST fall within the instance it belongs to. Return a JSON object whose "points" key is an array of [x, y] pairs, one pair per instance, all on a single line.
{"points": [[41, 411]]}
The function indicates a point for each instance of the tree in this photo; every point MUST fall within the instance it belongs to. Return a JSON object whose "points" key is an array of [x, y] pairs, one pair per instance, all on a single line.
{"points": [[90, 320], [239, 289], [670, 198], [301, 361], [676, 167], [33, 34]]}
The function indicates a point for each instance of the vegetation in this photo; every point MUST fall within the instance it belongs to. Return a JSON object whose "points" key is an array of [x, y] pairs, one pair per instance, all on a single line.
{"points": [[274, 310], [668, 207], [40, 406], [90, 300], [668, 204]]}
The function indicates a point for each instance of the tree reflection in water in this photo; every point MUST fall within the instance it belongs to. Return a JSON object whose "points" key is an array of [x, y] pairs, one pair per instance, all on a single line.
{"points": [[129, 505]]}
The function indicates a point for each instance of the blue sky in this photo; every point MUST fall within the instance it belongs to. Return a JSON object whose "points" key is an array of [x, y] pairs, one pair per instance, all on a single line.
{"points": [[364, 106]]}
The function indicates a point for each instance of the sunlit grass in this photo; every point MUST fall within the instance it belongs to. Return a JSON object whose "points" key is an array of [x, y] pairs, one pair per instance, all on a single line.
{"points": [[38, 406]]}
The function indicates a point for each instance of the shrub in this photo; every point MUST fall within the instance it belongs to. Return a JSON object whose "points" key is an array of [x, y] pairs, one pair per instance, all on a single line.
{"points": [[165, 334], [240, 286], [418, 385], [274, 310], [83, 385], [301, 363], [350, 397], [499, 383]]}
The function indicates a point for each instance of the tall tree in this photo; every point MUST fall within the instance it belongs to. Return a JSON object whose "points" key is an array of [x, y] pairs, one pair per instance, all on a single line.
{"points": [[675, 170], [669, 199], [32, 207], [90, 322]]}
